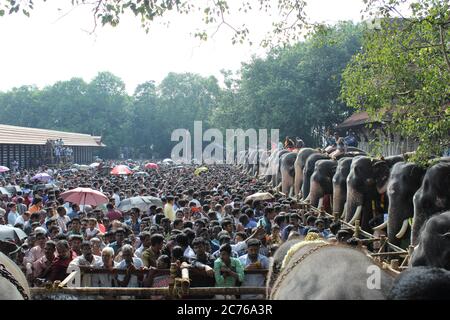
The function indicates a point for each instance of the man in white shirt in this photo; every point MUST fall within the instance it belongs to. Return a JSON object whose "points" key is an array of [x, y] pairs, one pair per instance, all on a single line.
{"points": [[12, 214], [131, 264], [116, 196], [62, 218], [86, 259]]}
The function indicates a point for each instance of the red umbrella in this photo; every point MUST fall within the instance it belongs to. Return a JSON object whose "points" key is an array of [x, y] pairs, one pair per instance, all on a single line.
{"points": [[85, 196], [151, 165], [121, 169]]}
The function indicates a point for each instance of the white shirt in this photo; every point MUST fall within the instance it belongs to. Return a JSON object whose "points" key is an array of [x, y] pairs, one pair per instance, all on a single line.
{"points": [[62, 222], [133, 280], [103, 279], [12, 217], [189, 253], [20, 220], [86, 280], [116, 199]]}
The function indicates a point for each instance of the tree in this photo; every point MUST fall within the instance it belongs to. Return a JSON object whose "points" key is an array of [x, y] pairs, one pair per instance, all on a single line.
{"points": [[404, 73], [294, 89]]}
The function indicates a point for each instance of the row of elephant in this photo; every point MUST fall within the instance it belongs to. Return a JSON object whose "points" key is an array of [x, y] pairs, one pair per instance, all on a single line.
{"points": [[360, 187], [324, 271]]}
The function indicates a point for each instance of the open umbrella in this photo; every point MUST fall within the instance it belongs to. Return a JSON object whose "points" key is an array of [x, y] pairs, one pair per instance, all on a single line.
{"points": [[121, 169], [11, 233], [143, 203], [3, 169], [84, 196], [168, 161], [45, 177], [141, 174], [260, 196], [94, 165], [151, 165], [200, 170]]}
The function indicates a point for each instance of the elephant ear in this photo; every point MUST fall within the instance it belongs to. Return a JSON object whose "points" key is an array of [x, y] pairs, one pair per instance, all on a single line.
{"points": [[380, 171]]}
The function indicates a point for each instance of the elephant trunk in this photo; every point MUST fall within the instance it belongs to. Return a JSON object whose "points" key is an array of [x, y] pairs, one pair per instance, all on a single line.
{"points": [[354, 200], [298, 180], [315, 193], [338, 199]]}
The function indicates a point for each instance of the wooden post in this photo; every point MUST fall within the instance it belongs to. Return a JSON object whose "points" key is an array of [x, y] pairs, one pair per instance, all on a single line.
{"points": [[357, 229], [394, 264], [173, 275], [336, 216]]}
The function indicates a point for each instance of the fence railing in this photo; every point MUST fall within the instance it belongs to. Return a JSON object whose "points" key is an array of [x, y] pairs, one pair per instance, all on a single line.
{"points": [[179, 287]]}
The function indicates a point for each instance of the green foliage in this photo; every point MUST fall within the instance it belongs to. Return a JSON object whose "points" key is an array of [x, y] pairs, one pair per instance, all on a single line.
{"points": [[403, 76], [294, 89]]}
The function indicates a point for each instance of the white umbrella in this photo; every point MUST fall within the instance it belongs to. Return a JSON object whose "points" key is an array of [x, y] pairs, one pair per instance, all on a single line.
{"points": [[260, 196], [11, 233], [143, 203], [3, 169]]}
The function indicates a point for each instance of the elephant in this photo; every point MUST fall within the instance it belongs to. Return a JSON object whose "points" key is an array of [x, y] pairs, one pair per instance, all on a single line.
{"points": [[320, 271], [8, 275], [434, 243], [299, 165], [432, 197], [366, 181], [421, 283], [321, 181], [340, 184], [287, 171], [273, 169], [405, 179], [309, 170], [277, 260]]}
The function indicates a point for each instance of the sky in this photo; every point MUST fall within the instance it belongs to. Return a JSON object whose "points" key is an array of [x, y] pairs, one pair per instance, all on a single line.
{"points": [[54, 45]]}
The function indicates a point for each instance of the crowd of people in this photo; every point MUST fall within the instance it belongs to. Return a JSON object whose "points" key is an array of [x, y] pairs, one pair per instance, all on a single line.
{"points": [[204, 223]]}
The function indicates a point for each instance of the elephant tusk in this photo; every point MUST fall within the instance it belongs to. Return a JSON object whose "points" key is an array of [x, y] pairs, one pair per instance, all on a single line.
{"points": [[320, 203], [403, 230], [357, 215], [344, 211], [381, 226]]}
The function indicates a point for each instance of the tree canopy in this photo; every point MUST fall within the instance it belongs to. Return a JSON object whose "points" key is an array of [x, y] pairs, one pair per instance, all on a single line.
{"points": [[403, 74], [294, 89], [400, 71]]}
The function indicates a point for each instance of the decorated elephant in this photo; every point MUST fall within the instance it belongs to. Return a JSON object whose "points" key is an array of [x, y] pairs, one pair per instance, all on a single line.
{"points": [[432, 197], [299, 165], [404, 180], [277, 260], [13, 284], [340, 184], [434, 243], [367, 180], [318, 270], [321, 181], [309, 170]]}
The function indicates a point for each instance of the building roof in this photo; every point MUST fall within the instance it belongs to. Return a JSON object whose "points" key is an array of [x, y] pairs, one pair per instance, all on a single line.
{"points": [[355, 119], [23, 135]]}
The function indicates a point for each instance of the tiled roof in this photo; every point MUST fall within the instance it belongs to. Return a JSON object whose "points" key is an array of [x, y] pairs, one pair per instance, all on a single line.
{"points": [[23, 135], [355, 120]]}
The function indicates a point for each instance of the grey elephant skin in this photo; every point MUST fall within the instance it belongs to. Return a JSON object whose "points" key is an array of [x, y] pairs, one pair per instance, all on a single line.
{"points": [[433, 197], [334, 272]]}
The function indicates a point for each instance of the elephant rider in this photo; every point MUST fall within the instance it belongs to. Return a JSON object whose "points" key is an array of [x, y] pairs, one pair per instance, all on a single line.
{"points": [[293, 145]]}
